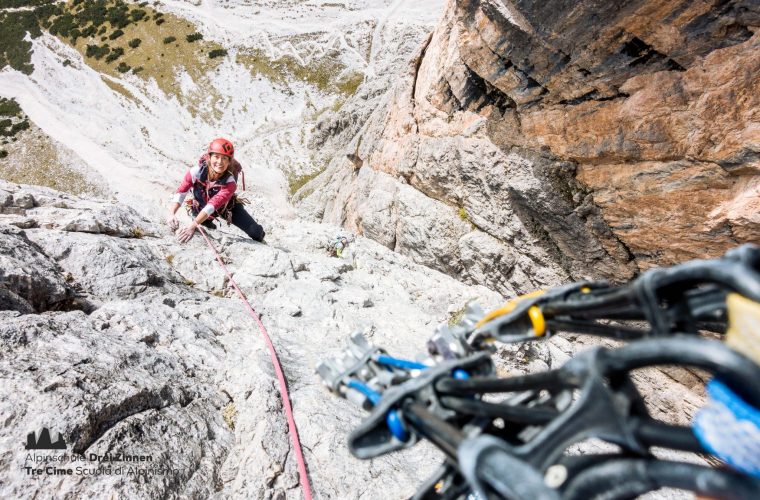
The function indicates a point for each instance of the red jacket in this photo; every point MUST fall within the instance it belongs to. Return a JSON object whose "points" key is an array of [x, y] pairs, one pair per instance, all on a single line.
{"points": [[212, 197]]}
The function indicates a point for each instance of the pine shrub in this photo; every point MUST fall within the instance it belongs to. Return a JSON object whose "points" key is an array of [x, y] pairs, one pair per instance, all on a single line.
{"points": [[115, 54]]}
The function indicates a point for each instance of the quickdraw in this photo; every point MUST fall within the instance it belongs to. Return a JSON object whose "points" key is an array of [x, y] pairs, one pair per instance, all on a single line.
{"points": [[508, 437]]}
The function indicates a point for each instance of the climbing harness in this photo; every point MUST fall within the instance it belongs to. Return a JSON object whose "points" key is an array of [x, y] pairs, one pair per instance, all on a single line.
{"points": [[204, 189], [303, 477], [193, 207], [508, 437]]}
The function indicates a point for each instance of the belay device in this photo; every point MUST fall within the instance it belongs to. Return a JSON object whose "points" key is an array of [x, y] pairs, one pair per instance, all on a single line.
{"points": [[514, 444]]}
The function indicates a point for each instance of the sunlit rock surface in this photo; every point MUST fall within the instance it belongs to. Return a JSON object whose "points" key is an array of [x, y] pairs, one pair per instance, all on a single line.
{"points": [[124, 341], [588, 140]]}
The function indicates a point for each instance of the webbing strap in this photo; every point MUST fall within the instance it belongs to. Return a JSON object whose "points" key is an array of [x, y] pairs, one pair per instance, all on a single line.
{"points": [[305, 486]]}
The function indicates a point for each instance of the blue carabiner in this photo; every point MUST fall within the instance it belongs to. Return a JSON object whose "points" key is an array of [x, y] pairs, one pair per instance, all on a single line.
{"points": [[384, 359], [392, 419]]}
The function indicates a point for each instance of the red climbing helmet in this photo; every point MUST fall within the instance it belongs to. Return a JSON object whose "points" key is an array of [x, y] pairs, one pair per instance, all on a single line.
{"points": [[222, 146]]}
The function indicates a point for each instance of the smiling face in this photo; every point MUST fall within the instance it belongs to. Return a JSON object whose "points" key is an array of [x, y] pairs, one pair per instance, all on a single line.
{"points": [[217, 165]]}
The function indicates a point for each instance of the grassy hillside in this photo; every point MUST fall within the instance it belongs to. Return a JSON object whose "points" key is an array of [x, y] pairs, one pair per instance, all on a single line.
{"points": [[113, 36], [140, 40], [29, 156], [116, 37], [326, 74]]}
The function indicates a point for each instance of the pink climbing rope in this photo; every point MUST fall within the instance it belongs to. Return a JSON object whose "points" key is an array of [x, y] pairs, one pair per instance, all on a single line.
{"points": [[305, 486]]}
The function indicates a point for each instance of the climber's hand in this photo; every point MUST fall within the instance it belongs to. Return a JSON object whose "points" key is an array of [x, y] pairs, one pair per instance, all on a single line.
{"points": [[187, 232], [172, 222]]}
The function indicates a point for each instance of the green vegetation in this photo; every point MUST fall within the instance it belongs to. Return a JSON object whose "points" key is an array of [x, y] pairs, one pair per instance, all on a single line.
{"points": [[14, 4], [326, 74], [229, 414], [25, 146], [9, 107], [14, 50], [296, 182], [337, 105], [64, 25], [10, 129], [115, 54], [106, 32], [217, 53], [79, 21], [97, 51], [349, 85], [117, 87], [457, 316], [137, 15], [158, 61], [462, 213], [48, 171], [12, 120]]}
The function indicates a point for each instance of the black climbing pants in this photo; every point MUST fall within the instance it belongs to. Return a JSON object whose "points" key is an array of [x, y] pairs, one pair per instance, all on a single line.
{"points": [[243, 220]]}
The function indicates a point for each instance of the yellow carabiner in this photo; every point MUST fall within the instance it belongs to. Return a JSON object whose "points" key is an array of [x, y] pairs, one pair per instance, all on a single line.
{"points": [[507, 308], [538, 321], [743, 326]]}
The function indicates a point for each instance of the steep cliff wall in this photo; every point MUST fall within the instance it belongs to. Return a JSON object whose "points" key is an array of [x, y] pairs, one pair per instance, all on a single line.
{"points": [[533, 142]]}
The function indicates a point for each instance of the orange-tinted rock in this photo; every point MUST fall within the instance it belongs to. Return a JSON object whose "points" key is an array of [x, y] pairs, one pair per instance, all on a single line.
{"points": [[596, 138]]}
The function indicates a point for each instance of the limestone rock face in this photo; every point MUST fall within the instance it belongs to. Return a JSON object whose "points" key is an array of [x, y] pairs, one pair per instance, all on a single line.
{"points": [[29, 279], [585, 139], [126, 343], [131, 344]]}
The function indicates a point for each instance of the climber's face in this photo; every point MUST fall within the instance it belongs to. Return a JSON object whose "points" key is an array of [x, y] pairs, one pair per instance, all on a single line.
{"points": [[218, 164]]}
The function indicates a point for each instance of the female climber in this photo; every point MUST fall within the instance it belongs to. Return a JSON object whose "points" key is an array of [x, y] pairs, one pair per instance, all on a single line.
{"points": [[213, 184]]}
